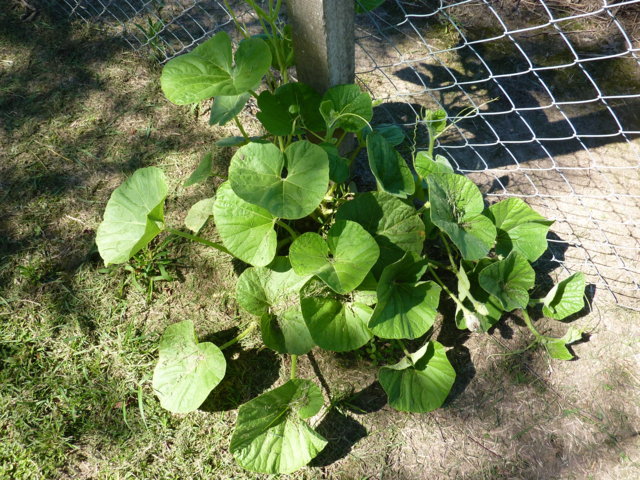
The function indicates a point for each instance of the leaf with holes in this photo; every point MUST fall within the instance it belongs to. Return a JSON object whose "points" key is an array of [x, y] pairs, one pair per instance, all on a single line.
{"points": [[187, 371], [456, 208], [271, 435], [209, 70], [420, 382], [289, 185], [133, 217], [342, 261], [509, 280], [247, 230]]}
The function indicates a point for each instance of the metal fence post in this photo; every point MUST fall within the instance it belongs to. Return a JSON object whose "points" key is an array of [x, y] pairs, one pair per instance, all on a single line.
{"points": [[324, 41]]}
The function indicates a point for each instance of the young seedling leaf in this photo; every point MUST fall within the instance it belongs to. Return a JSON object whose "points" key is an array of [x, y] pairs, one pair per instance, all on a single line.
{"points": [[520, 229], [247, 230], [565, 298], [289, 185], [292, 108], [198, 214], [202, 171], [273, 294], [224, 108], [425, 165], [346, 107], [391, 171], [271, 435], [394, 225], [134, 215], [187, 371], [557, 346], [209, 71], [338, 165], [342, 261], [436, 122], [406, 306], [421, 382], [509, 280], [456, 208], [335, 323]]}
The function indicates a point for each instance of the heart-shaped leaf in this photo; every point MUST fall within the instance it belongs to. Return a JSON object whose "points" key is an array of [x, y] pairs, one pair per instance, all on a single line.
{"points": [[394, 225], [425, 165], [456, 208], [342, 261], [198, 214], [273, 293], [346, 107], [335, 323], [391, 171], [271, 436], [565, 298], [289, 185], [224, 108], [133, 217], [292, 108], [509, 280], [247, 230], [421, 382], [520, 228], [406, 306], [208, 70], [187, 371]]}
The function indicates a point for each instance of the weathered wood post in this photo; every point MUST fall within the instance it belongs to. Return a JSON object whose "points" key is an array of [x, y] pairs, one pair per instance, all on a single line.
{"points": [[324, 41]]}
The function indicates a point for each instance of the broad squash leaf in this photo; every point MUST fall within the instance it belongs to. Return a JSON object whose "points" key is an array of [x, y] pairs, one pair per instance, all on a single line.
{"points": [[342, 261], [391, 171], [187, 371], [346, 107], [565, 298], [557, 347], [289, 185], [224, 108], [406, 306], [520, 229], [393, 134], [209, 70], [509, 280], [133, 217], [456, 208], [271, 435], [338, 165], [247, 230], [421, 382], [425, 165], [292, 108]]}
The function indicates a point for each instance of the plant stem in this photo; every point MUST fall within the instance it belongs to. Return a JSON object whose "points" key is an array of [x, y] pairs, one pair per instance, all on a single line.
{"points": [[446, 289], [241, 128], [240, 336], [253, 94], [294, 366], [404, 349], [449, 253], [527, 321], [201, 240], [291, 231]]}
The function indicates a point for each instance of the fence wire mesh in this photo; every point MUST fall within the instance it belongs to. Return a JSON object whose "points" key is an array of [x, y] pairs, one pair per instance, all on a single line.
{"points": [[555, 88]]}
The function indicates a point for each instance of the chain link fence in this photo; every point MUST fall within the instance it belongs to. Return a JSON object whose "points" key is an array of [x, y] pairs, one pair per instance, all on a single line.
{"points": [[554, 86]]}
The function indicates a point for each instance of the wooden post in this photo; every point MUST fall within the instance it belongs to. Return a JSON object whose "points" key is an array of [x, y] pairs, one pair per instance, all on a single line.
{"points": [[324, 41]]}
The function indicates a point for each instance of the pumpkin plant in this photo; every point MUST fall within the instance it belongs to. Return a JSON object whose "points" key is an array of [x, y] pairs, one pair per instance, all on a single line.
{"points": [[330, 266]]}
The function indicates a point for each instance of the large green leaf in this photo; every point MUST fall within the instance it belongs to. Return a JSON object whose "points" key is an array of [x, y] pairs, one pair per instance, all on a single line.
{"points": [[421, 382], [456, 208], [346, 107], [133, 217], [292, 108], [289, 185], [273, 294], [335, 323], [391, 171], [520, 228], [187, 371], [224, 108], [270, 434], [342, 261], [247, 230], [425, 165], [393, 134], [198, 214], [338, 165], [509, 280], [395, 225], [406, 306], [565, 298], [209, 71]]}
